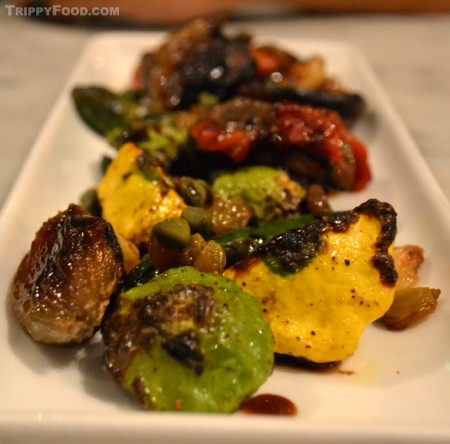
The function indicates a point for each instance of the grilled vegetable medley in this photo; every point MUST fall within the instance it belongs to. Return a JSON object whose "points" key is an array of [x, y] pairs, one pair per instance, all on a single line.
{"points": [[210, 246]]}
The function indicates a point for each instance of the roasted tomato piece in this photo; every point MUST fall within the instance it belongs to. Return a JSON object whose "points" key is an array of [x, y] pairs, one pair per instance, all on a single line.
{"points": [[321, 285], [64, 283], [188, 341], [321, 135], [312, 143], [234, 128]]}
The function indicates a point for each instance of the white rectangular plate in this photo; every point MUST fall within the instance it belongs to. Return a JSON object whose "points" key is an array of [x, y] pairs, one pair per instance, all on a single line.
{"points": [[395, 389]]}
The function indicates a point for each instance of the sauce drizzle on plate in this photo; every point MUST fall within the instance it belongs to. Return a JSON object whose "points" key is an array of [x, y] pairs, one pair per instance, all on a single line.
{"points": [[268, 404]]}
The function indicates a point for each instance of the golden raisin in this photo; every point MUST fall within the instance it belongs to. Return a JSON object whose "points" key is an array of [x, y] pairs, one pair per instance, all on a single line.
{"points": [[230, 214], [211, 259], [161, 256]]}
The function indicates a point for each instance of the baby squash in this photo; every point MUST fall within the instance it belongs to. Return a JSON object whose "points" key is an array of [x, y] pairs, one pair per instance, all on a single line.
{"points": [[188, 341], [321, 285], [134, 195]]}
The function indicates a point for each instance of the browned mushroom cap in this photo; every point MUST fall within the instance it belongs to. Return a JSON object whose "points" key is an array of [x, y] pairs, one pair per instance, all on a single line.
{"points": [[63, 284]]}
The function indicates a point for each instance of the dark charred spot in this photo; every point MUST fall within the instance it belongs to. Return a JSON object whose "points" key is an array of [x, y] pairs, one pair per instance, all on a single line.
{"points": [[382, 260], [126, 176], [185, 348], [295, 249], [140, 391], [169, 319], [299, 362], [292, 251]]}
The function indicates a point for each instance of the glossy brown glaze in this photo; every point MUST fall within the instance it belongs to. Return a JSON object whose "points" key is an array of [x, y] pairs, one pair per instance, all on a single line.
{"points": [[64, 283], [268, 404]]}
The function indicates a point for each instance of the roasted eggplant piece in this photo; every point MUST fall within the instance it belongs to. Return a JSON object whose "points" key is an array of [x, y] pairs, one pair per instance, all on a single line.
{"points": [[64, 283], [321, 285], [349, 106], [283, 76], [200, 58], [195, 59], [188, 341], [135, 194]]}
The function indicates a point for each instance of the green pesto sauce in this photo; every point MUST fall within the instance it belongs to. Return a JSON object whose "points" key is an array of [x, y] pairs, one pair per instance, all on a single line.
{"points": [[259, 186], [235, 342]]}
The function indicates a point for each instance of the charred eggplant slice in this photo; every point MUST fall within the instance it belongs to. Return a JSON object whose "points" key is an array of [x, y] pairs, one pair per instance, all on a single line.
{"points": [[322, 284], [188, 341], [281, 76], [194, 59], [350, 106], [64, 283]]}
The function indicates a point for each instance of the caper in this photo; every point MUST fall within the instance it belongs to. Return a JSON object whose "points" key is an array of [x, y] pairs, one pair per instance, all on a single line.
{"points": [[172, 233], [198, 219], [195, 192]]}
